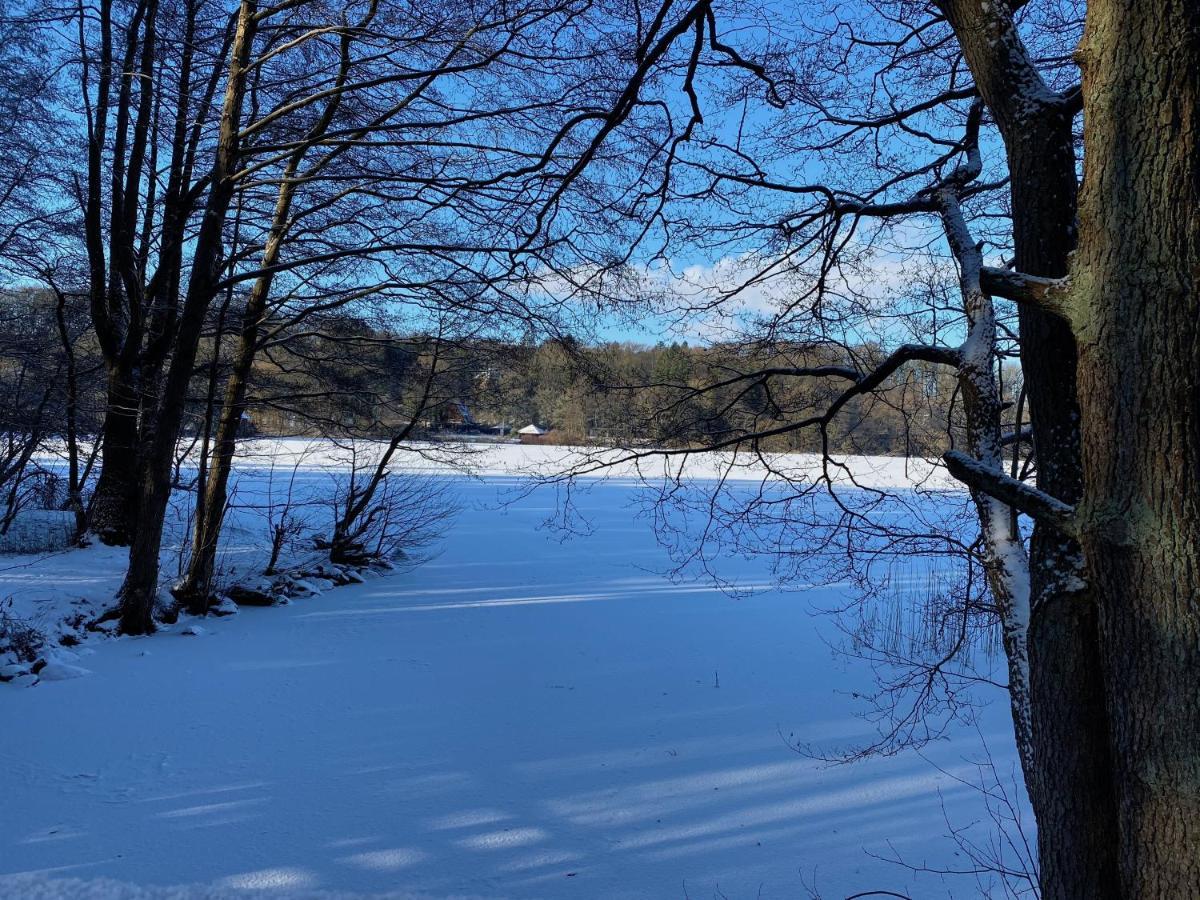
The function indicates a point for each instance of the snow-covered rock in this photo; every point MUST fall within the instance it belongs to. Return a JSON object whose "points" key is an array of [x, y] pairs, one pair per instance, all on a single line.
{"points": [[304, 587], [256, 592], [225, 608], [61, 654], [62, 671], [194, 630], [13, 670]]}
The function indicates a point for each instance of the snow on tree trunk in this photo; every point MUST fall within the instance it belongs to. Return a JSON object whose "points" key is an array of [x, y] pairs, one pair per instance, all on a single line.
{"points": [[1070, 786], [1005, 560]]}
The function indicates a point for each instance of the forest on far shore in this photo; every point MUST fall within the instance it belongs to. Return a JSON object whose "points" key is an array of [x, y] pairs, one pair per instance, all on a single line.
{"points": [[346, 377]]}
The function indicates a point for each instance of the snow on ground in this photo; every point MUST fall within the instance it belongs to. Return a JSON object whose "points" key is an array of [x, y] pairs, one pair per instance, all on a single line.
{"points": [[57, 592], [520, 717], [505, 459]]}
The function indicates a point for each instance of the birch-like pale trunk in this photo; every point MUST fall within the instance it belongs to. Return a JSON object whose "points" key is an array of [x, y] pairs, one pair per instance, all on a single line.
{"points": [[1006, 561]]}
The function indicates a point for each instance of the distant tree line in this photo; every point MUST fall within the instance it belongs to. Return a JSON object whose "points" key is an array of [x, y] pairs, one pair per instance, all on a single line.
{"points": [[346, 377], [624, 393]]}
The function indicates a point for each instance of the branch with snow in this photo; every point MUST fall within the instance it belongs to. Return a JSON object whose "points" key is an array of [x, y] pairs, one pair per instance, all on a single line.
{"points": [[1050, 294], [1038, 505]]}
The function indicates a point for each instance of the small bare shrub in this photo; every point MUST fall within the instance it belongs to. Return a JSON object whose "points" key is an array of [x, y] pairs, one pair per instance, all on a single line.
{"points": [[17, 636], [381, 514]]}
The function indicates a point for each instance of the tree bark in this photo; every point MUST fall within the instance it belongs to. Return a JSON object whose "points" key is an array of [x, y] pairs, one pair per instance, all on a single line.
{"points": [[1138, 325], [195, 588], [1070, 787], [1006, 563], [70, 413], [1069, 782], [112, 513]]}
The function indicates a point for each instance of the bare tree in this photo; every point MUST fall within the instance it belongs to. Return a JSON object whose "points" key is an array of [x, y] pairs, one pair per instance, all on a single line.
{"points": [[396, 199], [32, 143], [30, 371], [385, 516], [803, 201], [316, 154]]}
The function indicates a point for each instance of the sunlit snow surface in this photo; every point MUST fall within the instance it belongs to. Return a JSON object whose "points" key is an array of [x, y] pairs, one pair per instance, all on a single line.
{"points": [[520, 717]]}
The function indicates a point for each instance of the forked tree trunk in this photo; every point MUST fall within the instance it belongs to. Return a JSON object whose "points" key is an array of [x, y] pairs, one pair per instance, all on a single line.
{"points": [[140, 588], [1069, 782], [195, 588], [1136, 305]]}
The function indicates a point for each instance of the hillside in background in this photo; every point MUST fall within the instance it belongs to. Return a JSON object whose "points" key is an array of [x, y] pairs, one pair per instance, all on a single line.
{"points": [[345, 377]]}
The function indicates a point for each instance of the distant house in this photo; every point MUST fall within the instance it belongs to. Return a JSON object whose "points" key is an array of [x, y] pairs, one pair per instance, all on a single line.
{"points": [[454, 417], [531, 434], [461, 415]]}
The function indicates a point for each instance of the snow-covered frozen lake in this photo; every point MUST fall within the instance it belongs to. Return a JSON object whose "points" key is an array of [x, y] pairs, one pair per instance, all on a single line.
{"points": [[520, 717]]}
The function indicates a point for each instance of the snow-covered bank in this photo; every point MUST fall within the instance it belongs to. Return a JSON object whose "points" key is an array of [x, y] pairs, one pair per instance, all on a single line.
{"points": [[56, 594], [519, 718], [54, 597], [502, 459]]}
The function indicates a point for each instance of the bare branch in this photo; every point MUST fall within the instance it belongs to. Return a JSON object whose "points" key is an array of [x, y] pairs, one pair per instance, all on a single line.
{"points": [[1050, 294], [1038, 505]]}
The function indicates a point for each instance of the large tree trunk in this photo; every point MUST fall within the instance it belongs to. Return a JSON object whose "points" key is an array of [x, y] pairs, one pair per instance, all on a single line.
{"points": [[196, 587], [112, 513], [1069, 781], [140, 589], [1137, 316], [1070, 784]]}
